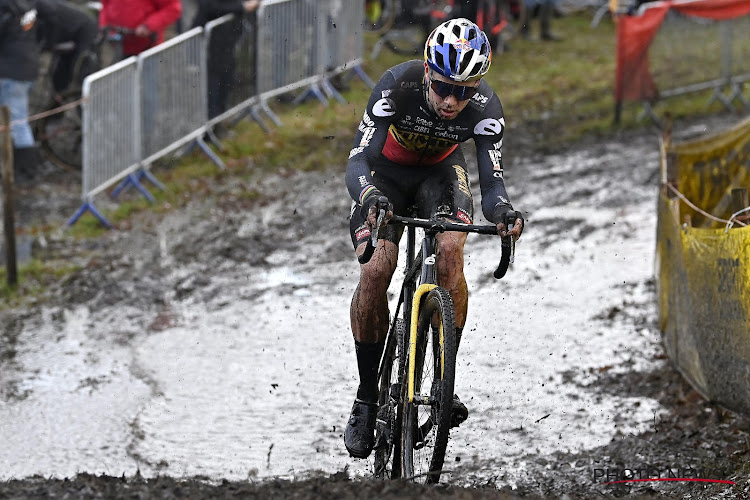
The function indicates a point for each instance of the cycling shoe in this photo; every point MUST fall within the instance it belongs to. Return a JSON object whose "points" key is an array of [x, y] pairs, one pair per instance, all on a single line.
{"points": [[459, 412], [359, 435]]}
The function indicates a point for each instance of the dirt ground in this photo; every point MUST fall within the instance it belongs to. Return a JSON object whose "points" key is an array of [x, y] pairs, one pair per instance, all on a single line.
{"points": [[693, 438]]}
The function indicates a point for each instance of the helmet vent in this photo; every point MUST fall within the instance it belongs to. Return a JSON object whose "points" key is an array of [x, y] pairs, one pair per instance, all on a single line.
{"points": [[439, 59], [452, 55], [472, 34], [464, 64], [477, 69], [457, 30], [440, 38]]}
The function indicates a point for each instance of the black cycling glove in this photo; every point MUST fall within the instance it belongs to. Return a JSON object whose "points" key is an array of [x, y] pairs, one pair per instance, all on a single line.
{"points": [[501, 213], [372, 198]]}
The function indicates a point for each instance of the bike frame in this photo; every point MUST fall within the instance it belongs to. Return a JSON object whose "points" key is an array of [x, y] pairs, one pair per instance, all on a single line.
{"points": [[420, 279], [424, 264]]}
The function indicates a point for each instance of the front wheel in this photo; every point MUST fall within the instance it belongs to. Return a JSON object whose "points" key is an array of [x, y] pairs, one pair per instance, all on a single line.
{"points": [[426, 420], [388, 424]]}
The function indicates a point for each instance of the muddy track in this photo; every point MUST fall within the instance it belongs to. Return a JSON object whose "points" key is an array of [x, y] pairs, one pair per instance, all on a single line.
{"points": [[166, 324]]}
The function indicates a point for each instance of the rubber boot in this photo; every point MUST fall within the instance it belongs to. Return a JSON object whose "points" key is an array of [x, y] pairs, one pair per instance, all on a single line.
{"points": [[25, 165], [545, 15]]}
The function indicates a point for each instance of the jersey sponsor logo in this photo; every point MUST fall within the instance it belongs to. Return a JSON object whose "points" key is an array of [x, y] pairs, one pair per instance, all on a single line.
{"points": [[362, 233], [496, 157], [497, 175], [421, 143], [481, 99], [367, 120], [367, 136], [410, 85], [447, 135], [463, 180], [463, 216], [490, 126], [499, 144], [362, 181], [356, 151], [384, 107]]}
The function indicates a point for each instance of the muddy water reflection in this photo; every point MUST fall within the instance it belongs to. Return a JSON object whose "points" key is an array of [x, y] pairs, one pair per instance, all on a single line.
{"points": [[256, 378]]}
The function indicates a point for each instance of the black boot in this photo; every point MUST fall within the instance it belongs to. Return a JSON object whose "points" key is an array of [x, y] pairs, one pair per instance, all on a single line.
{"points": [[26, 163], [545, 15]]}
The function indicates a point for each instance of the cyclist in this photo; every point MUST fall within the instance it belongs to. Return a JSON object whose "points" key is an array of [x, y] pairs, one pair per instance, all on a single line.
{"points": [[407, 148]]}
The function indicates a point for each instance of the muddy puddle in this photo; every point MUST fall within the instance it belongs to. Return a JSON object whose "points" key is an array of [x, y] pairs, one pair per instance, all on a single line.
{"points": [[218, 344]]}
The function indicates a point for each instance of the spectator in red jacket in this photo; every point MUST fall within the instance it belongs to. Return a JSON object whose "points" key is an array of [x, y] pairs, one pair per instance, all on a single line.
{"points": [[149, 19]]}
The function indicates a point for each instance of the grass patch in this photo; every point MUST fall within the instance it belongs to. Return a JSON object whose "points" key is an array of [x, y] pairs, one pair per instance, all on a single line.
{"points": [[33, 278]]}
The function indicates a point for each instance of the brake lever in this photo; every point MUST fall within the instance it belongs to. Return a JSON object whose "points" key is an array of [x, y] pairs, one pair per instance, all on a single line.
{"points": [[373, 242], [508, 245], [374, 233]]}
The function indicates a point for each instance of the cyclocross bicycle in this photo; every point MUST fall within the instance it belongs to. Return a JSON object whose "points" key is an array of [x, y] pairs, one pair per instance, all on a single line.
{"points": [[418, 367]]}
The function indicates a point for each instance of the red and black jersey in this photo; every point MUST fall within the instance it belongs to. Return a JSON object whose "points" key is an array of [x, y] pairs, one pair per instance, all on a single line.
{"points": [[399, 125]]}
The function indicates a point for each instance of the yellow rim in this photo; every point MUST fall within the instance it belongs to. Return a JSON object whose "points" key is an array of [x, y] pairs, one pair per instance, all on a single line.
{"points": [[423, 289]]}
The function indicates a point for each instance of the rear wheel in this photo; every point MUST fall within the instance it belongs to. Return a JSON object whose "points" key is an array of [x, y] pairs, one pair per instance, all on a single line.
{"points": [[380, 15], [387, 428], [61, 134], [426, 421]]}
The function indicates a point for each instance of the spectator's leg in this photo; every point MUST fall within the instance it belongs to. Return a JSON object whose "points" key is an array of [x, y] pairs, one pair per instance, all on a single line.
{"points": [[15, 95], [546, 11], [214, 93], [62, 75]]}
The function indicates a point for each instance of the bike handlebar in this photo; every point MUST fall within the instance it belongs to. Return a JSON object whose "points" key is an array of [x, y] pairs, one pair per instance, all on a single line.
{"points": [[442, 225]]}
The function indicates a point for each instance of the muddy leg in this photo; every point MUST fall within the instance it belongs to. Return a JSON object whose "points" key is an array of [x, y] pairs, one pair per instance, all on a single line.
{"points": [[369, 315]]}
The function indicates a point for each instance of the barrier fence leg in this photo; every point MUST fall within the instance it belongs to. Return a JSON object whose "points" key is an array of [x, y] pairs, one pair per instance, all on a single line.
{"points": [[253, 112], [331, 91], [210, 153], [275, 119], [364, 76], [312, 91], [150, 177], [134, 179], [213, 139], [88, 206]]}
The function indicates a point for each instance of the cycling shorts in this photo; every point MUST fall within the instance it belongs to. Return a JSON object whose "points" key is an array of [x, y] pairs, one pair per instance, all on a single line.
{"points": [[425, 191]]}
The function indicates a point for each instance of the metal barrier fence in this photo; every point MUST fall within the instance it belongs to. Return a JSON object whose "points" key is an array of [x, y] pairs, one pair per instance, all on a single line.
{"points": [[668, 49], [173, 94], [712, 55], [149, 106], [111, 142], [287, 30]]}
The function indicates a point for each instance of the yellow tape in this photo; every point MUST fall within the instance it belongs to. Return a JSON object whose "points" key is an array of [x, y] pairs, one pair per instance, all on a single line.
{"points": [[704, 271]]}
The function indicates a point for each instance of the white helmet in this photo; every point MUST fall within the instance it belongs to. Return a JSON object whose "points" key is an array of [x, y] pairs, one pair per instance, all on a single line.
{"points": [[459, 50]]}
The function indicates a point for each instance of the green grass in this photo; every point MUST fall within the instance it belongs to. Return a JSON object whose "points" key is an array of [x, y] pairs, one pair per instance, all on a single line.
{"points": [[33, 278]]}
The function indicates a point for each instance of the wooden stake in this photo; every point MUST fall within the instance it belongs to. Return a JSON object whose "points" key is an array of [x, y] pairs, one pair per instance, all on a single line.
{"points": [[9, 225]]}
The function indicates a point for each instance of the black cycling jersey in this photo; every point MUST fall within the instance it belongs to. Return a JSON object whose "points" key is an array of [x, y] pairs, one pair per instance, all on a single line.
{"points": [[399, 126]]}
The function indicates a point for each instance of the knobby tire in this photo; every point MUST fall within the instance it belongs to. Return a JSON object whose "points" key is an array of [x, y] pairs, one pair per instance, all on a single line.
{"points": [[387, 430], [61, 135], [425, 429]]}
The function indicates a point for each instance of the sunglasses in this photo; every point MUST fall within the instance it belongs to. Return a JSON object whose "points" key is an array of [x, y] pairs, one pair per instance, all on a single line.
{"points": [[444, 89]]}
